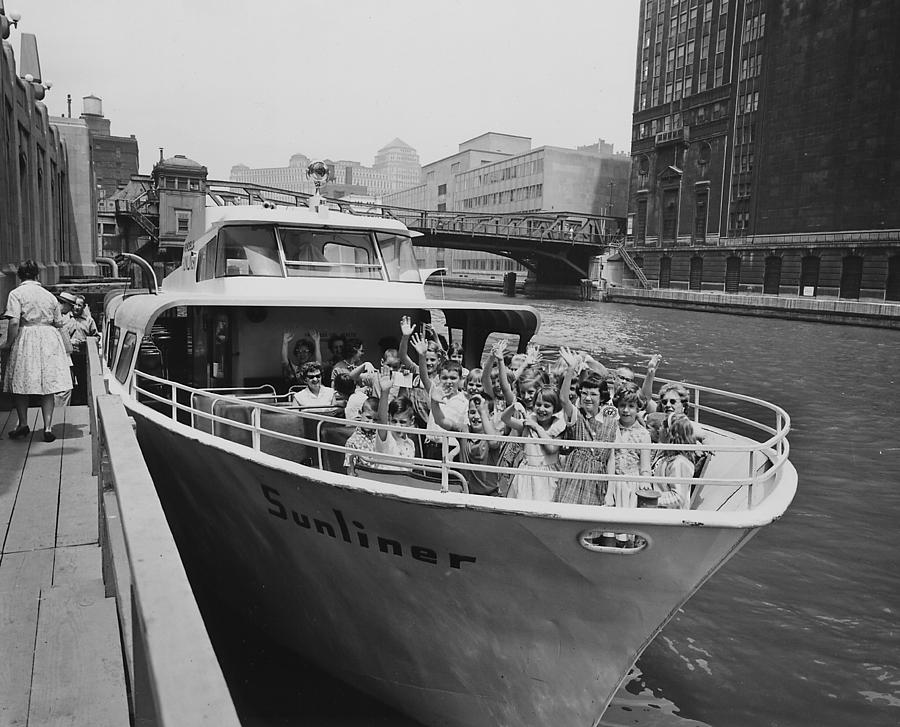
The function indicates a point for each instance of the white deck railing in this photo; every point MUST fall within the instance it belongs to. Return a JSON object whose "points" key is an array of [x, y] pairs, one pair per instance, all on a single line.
{"points": [[764, 458]]}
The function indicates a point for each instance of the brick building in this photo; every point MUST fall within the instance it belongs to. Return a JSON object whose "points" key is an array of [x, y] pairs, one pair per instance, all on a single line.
{"points": [[40, 218], [765, 147]]}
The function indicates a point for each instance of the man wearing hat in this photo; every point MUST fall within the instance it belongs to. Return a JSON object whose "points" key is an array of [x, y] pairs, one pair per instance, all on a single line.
{"points": [[79, 327]]}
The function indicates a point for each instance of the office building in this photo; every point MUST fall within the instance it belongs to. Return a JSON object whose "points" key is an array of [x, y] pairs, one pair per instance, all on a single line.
{"points": [[502, 174], [764, 147], [396, 167]]}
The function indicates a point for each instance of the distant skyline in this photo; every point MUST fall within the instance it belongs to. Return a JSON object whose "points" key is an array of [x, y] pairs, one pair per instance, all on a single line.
{"points": [[226, 82]]}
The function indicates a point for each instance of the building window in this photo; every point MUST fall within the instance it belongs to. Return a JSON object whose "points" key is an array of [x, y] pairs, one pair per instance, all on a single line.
{"points": [[442, 207], [442, 189], [700, 217], [182, 222], [640, 225]]}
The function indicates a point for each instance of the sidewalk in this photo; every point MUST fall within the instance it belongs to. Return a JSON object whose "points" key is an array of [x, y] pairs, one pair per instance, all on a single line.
{"points": [[59, 634]]}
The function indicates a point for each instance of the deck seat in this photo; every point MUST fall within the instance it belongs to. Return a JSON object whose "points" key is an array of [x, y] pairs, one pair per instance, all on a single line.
{"points": [[236, 412], [283, 422], [203, 404], [430, 481], [332, 433]]}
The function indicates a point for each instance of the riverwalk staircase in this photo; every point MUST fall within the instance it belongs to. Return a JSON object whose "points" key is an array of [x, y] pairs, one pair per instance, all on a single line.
{"points": [[619, 246]]}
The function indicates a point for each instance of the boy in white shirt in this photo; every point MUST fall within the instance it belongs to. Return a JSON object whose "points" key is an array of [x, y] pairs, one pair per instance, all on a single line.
{"points": [[454, 405]]}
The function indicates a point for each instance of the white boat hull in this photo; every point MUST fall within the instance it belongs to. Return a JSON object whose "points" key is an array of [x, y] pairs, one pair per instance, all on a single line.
{"points": [[453, 613]]}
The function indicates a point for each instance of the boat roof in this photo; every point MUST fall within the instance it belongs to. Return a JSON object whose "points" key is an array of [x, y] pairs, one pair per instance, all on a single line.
{"points": [[290, 215], [138, 312]]}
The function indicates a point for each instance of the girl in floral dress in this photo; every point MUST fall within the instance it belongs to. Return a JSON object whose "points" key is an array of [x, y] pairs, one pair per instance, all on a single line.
{"points": [[623, 493], [588, 422], [545, 422]]}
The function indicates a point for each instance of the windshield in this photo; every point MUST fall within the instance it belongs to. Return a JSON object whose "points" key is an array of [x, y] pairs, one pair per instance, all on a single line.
{"points": [[397, 251], [243, 250], [329, 253]]}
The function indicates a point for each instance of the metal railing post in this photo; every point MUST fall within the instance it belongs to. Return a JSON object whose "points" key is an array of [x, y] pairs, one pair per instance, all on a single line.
{"points": [[255, 417], [445, 455]]}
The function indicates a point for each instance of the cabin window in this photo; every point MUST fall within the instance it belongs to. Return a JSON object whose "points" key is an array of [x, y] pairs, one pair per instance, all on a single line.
{"points": [[248, 250], [329, 254], [112, 343], [206, 260], [397, 251], [125, 357]]}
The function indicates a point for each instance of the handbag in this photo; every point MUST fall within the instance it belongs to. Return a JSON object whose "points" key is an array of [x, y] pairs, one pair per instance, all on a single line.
{"points": [[67, 342]]}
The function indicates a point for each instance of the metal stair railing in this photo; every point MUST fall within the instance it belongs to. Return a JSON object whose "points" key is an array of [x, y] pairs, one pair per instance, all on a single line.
{"points": [[630, 262]]}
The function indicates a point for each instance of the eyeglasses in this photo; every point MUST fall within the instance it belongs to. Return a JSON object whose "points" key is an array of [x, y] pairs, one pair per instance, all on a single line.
{"points": [[669, 401], [314, 376]]}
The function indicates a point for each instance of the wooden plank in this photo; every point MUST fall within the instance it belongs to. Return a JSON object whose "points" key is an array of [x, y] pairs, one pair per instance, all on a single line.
{"points": [[78, 514], [181, 662], [33, 523], [77, 563], [13, 454], [78, 674], [22, 576]]}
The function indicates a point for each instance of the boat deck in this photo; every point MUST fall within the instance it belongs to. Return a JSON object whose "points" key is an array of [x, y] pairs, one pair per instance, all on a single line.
{"points": [[59, 634]]}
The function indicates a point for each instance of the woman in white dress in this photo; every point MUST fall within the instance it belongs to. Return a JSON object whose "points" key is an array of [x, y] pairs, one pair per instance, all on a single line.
{"points": [[38, 363]]}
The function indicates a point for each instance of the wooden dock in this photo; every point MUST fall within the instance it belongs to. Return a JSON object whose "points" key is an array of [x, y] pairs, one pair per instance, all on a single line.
{"points": [[62, 661]]}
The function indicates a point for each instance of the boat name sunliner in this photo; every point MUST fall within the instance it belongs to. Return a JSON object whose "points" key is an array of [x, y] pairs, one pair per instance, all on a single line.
{"points": [[385, 545]]}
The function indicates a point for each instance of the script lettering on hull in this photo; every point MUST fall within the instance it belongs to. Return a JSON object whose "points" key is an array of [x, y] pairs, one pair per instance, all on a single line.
{"points": [[354, 532]]}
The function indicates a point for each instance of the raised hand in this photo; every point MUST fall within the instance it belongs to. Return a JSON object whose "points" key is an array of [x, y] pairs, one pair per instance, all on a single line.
{"points": [[419, 344], [568, 356], [406, 326], [288, 337], [499, 348], [533, 354], [315, 335], [653, 363]]}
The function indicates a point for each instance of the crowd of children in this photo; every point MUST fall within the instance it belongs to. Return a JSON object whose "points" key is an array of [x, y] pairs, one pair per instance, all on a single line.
{"points": [[542, 408]]}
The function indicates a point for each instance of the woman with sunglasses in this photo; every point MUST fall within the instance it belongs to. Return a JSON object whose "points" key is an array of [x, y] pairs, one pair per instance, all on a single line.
{"points": [[315, 394], [674, 399]]}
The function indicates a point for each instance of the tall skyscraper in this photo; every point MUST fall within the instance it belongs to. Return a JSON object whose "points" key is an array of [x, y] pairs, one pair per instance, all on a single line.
{"points": [[768, 129]]}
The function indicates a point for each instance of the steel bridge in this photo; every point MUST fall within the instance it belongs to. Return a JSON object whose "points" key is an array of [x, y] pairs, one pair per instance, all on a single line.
{"points": [[556, 247]]}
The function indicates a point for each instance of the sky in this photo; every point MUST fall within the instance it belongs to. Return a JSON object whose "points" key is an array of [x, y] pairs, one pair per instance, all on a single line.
{"points": [[254, 82]]}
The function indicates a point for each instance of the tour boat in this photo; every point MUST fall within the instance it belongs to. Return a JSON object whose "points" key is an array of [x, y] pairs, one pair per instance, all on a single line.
{"points": [[458, 609]]}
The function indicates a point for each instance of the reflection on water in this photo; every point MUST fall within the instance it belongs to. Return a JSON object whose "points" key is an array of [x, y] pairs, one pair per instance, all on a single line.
{"points": [[800, 627]]}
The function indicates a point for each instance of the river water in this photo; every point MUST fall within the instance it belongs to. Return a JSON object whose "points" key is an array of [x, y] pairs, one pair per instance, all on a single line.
{"points": [[801, 626]]}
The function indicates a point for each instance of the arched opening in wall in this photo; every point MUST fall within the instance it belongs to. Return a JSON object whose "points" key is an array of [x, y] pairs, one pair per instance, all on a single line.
{"points": [[665, 272], [892, 285], [695, 282], [851, 277], [809, 275], [732, 274], [670, 216], [772, 275]]}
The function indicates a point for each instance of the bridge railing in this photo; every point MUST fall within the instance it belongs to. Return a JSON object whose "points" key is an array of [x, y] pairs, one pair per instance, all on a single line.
{"points": [[566, 227], [173, 675]]}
